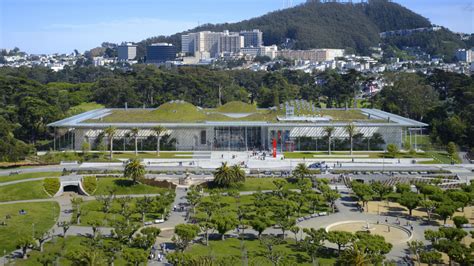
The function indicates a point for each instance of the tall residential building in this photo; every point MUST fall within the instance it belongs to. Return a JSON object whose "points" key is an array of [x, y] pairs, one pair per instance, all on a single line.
{"points": [[160, 53], [207, 44], [230, 42], [202, 44], [252, 38], [126, 51], [187, 43], [314, 55]]}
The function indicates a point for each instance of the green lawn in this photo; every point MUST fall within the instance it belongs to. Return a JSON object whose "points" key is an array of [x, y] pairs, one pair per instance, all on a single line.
{"points": [[4, 179], [423, 140], [264, 183], [232, 247], [145, 155], [346, 155], [57, 157], [61, 246], [442, 157], [23, 191], [42, 214], [123, 186]]}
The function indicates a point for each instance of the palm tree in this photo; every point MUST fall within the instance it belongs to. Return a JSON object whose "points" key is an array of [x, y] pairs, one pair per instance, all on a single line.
{"points": [[223, 176], [134, 170], [301, 171], [110, 133], [354, 256], [159, 130], [134, 132], [351, 131], [329, 131], [238, 173]]}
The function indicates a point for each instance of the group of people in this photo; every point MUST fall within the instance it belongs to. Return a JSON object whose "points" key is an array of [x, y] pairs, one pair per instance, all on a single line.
{"points": [[160, 254], [398, 222]]}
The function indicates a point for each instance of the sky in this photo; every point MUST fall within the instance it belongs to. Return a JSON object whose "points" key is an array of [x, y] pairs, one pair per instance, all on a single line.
{"points": [[49, 26]]}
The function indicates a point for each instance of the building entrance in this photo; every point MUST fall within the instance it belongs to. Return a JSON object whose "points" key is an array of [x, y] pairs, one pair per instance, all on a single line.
{"points": [[237, 138]]}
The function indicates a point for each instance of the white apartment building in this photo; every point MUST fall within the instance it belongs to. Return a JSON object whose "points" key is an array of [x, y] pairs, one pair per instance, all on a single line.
{"points": [[207, 44], [270, 51], [230, 43], [313, 55]]}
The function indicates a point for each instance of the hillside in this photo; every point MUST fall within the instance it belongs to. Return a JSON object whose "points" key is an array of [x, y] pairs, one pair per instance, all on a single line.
{"points": [[320, 25]]}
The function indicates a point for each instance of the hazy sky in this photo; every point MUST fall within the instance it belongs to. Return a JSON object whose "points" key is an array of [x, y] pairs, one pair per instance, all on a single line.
{"points": [[47, 26]]}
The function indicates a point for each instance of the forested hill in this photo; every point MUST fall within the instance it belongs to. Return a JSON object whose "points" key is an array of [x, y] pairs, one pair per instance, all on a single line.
{"points": [[321, 25]]}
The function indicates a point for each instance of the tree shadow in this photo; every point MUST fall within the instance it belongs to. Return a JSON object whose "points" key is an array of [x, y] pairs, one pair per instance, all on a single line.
{"points": [[124, 183]]}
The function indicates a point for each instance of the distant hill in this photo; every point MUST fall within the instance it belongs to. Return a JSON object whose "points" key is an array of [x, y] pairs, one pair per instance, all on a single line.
{"points": [[354, 27], [320, 25]]}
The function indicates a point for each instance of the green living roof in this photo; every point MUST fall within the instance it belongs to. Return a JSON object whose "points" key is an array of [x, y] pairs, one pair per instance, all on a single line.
{"points": [[183, 112]]}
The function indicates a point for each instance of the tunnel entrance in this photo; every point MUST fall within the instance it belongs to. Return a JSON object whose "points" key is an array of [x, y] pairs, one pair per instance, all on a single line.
{"points": [[71, 188]]}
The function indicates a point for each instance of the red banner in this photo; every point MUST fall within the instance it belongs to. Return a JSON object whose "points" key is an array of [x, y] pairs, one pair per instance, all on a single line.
{"points": [[274, 148]]}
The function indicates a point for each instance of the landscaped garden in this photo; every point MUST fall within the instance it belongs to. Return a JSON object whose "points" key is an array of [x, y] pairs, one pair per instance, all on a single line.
{"points": [[94, 250], [36, 219], [231, 250], [431, 205], [224, 210]]}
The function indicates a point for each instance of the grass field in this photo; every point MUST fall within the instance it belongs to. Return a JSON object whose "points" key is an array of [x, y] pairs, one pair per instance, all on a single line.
{"points": [[123, 186], [10, 178], [346, 155], [441, 157], [231, 247], [42, 214], [254, 184], [60, 246], [23, 191], [152, 155]]}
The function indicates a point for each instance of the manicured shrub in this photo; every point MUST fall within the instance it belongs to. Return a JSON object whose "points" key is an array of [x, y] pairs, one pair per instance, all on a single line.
{"points": [[89, 183], [51, 185]]}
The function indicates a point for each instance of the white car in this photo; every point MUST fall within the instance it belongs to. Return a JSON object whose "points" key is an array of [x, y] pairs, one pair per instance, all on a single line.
{"points": [[159, 221]]}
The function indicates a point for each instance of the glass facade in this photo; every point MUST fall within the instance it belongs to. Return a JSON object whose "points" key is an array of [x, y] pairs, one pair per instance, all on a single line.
{"points": [[284, 143], [237, 138]]}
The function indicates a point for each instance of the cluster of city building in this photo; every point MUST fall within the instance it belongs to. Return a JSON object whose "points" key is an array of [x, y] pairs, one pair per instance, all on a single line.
{"points": [[206, 47]]}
